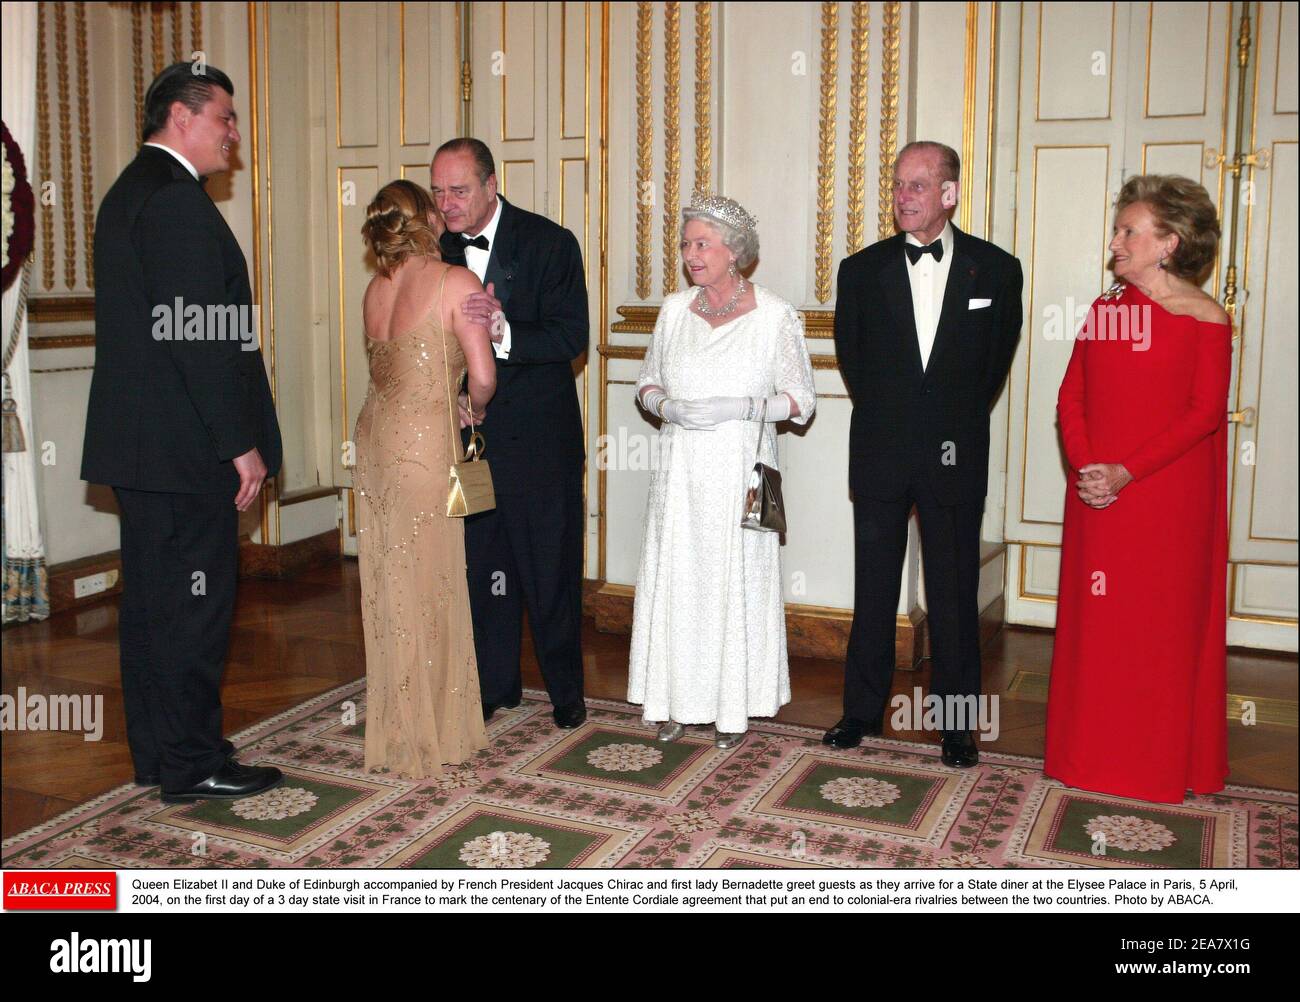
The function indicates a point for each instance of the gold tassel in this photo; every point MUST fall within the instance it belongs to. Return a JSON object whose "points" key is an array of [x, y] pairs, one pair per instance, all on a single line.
{"points": [[10, 425]]}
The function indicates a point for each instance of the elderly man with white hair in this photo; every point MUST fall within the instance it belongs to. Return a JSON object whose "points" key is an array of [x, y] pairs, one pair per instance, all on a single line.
{"points": [[727, 361]]}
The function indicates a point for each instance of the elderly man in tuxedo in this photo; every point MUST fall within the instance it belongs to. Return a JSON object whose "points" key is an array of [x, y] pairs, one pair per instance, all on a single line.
{"points": [[926, 324], [527, 552], [181, 424]]}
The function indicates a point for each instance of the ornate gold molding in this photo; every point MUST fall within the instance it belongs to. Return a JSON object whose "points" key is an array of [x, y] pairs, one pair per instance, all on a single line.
{"points": [[83, 139], [644, 136], [258, 57], [704, 96], [621, 351], [196, 26], [818, 325], [43, 152], [60, 309], [602, 390], [636, 320], [672, 138], [826, 149], [156, 23], [41, 341], [860, 39], [991, 126], [306, 494], [61, 60], [968, 108], [889, 39], [178, 39], [137, 66]]}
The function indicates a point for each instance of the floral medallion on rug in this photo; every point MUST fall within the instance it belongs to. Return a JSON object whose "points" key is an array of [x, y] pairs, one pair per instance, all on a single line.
{"points": [[607, 794]]}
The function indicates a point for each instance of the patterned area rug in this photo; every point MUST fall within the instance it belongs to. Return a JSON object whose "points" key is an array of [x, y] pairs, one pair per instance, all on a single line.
{"points": [[608, 795]]}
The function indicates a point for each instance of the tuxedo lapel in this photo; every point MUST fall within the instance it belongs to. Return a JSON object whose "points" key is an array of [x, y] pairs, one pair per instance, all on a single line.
{"points": [[956, 297], [898, 298], [502, 259]]}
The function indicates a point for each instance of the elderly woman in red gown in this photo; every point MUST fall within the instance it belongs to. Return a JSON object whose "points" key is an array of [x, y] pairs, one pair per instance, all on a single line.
{"points": [[1137, 705]]}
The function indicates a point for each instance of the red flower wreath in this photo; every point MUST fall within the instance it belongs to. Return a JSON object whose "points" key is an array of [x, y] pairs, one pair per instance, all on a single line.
{"points": [[23, 206]]}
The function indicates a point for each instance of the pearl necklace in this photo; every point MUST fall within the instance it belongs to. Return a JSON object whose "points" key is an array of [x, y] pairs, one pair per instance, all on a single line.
{"points": [[705, 310]]}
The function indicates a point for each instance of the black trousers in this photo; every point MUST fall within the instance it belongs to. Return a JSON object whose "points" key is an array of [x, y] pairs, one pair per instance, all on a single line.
{"points": [[180, 556], [527, 554], [950, 550]]}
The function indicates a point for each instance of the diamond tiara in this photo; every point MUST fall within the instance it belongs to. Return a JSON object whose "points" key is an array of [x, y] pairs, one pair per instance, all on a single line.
{"points": [[724, 209]]}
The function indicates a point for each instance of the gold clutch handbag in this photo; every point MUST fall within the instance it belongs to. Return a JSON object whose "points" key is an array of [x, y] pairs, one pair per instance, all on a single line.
{"points": [[470, 488], [764, 507], [470, 491]]}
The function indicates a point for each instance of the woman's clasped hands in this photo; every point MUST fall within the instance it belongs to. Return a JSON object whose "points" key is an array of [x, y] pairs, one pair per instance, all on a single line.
{"points": [[1099, 484]]}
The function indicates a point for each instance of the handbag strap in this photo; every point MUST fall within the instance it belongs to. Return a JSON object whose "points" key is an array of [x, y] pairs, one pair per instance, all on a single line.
{"points": [[762, 427], [446, 366]]}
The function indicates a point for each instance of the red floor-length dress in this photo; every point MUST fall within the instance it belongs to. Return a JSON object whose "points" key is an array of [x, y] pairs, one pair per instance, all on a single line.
{"points": [[1137, 705]]}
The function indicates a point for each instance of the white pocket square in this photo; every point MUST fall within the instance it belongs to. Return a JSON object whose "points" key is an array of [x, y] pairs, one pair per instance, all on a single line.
{"points": [[979, 304]]}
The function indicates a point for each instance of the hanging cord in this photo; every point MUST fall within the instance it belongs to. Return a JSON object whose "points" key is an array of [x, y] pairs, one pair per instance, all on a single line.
{"points": [[10, 424]]}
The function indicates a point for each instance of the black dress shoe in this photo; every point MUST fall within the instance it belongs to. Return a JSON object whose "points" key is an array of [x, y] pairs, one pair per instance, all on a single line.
{"points": [[959, 750], [230, 782], [570, 716], [491, 708], [153, 779], [850, 731]]}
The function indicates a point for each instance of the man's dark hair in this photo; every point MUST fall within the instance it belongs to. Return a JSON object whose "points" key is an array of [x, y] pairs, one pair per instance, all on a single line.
{"points": [[189, 83], [475, 148]]}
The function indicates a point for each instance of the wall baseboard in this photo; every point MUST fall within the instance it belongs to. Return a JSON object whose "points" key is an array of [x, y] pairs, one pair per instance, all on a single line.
{"points": [[62, 578], [262, 560], [811, 631], [255, 561]]}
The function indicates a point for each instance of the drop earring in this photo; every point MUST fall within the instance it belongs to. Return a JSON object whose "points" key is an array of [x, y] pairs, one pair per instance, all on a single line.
{"points": [[731, 269]]}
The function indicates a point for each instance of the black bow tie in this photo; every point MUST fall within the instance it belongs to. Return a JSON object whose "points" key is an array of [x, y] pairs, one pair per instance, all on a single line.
{"points": [[914, 251], [480, 241]]}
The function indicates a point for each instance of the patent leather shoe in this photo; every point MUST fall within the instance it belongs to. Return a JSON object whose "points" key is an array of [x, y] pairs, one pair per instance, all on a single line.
{"points": [[232, 781], [153, 779], [959, 750], [850, 731], [570, 715]]}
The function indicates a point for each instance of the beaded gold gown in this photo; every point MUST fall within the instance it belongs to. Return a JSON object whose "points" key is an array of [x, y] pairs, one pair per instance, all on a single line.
{"points": [[423, 710]]}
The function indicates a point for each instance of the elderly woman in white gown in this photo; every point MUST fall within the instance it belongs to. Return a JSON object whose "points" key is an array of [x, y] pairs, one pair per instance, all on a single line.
{"points": [[727, 361]]}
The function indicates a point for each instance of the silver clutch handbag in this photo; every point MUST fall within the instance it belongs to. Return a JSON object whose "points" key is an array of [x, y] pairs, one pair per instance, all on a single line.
{"points": [[764, 507]]}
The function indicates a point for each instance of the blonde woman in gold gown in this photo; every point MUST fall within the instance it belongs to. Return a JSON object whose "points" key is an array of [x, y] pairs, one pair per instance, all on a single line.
{"points": [[422, 693]]}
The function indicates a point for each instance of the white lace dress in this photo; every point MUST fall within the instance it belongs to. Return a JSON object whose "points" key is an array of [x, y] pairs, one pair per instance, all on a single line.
{"points": [[708, 628]]}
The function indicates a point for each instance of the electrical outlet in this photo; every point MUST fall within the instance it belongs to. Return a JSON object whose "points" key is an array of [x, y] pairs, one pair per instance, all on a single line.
{"points": [[93, 584]]}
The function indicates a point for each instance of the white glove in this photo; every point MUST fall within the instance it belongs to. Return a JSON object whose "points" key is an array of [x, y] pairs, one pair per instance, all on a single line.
{"points": [[651, 399], [716, 410], [679, 412], [702, 415], [690, 414]]}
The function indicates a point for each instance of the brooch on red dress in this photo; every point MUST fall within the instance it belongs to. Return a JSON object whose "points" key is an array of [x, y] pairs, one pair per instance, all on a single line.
{"points": [[1114, 292]]}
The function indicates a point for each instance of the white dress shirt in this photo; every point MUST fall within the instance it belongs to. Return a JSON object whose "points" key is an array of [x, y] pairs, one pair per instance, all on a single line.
{"points": [[929, 279], [183, 162], [476, 259]]}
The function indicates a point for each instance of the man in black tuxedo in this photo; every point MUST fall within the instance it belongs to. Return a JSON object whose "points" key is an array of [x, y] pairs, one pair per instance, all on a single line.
{"points": [[527, 552], [926, 324], [181, 424]]}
